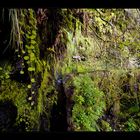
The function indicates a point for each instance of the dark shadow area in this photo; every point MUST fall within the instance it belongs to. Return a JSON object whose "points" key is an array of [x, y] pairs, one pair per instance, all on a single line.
{"points": [[8, 114], [44, 123], [5, 29], [58, 121], [7, 51]]}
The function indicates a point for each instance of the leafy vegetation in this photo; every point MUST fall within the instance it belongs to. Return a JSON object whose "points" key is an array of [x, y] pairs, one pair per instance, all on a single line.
{"points": [[89, 104], [74, 68]]}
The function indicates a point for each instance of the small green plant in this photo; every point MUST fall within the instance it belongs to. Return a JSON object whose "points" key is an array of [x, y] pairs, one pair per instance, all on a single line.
{"points": [[130, 125], [5, 72], [105, 126], [89, 104]]}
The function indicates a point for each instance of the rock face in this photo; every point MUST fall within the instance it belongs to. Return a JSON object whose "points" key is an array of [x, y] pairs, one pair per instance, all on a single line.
{"points": [[8, 114], [132, 62]]}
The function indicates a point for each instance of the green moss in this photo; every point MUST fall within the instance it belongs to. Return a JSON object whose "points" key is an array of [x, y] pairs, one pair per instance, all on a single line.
{"points": [[47, 96], [17, 93]]}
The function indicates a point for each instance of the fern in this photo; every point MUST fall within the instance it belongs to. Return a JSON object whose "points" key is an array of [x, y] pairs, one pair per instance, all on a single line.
{"points": [[89, 104]]}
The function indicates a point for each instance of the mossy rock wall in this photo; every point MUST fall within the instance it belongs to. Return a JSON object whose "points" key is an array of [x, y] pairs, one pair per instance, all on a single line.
{"points": [[70, 69]]}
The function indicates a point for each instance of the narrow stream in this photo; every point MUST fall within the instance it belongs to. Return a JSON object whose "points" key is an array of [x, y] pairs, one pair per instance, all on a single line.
{"points": [[58, 120]]}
